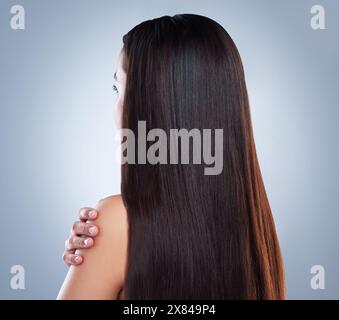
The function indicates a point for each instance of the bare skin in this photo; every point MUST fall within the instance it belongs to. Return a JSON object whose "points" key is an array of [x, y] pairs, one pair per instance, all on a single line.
{"points": [[102, 274]]}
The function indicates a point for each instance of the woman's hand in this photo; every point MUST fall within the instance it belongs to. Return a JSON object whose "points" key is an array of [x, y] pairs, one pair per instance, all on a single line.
{"points": [[81, 236]]}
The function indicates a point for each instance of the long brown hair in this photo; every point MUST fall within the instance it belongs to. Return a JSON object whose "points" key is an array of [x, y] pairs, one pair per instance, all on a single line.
{"points": [[195, 236]]}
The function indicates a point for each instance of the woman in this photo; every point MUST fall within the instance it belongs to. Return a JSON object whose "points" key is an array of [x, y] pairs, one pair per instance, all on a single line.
{"points": [[176, 233]]}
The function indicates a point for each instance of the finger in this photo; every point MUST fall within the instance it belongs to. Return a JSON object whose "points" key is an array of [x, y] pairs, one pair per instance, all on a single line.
{"points": [[84, 229], [75, 242], [71, 258], [87, 213]]}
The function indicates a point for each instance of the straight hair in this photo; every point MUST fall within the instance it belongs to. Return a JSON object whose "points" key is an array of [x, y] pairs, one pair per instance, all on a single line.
{"points": [[195, 236]]}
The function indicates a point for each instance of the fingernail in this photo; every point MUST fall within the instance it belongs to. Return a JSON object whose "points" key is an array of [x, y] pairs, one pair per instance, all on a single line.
{"points": [[92, 214], [92, 230], [77, 259], [87, 241]]}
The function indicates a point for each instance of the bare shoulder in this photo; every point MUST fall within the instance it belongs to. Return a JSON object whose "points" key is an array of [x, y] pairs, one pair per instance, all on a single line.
{"points": [[113, 235], [102, 274], [112, 209], [113, 225]]}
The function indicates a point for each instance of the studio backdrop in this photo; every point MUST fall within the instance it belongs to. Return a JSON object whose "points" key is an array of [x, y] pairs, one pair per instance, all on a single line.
{"points": [[57, 130]]}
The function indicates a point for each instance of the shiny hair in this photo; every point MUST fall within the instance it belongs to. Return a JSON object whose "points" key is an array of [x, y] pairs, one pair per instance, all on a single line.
{"points": [[195, 236]]}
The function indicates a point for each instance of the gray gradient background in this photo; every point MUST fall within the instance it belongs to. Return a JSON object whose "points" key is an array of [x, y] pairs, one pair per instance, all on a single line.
{"points": [[57, 126]]}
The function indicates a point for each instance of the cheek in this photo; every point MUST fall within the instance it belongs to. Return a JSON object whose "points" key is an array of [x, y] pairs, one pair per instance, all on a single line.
{"points": [[118, 112]]}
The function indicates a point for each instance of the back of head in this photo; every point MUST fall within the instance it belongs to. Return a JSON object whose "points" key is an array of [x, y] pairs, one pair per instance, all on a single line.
{"points": [[192, 235]]}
